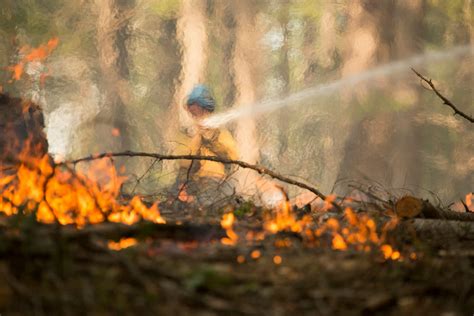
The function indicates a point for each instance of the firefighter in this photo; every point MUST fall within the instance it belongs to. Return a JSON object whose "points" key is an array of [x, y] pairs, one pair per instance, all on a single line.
{"points": [[204, 181]]}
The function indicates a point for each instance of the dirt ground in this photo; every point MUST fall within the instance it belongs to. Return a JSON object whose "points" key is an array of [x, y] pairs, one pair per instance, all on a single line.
{"points": [[161, 276]]}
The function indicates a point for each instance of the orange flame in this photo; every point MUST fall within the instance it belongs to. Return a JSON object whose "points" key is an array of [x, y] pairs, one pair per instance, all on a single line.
{"points": [[255, 254], [277, 260], [469, 201], [122, 244], [115, 132], [227, 223], [183, 195], [284, 219], [56, 193], [40, 54]]}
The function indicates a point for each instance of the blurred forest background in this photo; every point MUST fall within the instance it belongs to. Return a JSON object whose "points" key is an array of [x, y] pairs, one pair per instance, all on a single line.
{"points": [[121, 71]]}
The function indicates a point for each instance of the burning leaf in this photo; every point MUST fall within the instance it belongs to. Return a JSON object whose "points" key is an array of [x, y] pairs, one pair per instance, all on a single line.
{"points": [[122, 244], [338, 242]]}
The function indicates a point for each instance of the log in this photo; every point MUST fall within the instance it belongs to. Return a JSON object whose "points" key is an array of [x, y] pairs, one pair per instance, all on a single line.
{"points": [[177, 232], [412, 207], [442, 231], [44, 240]]}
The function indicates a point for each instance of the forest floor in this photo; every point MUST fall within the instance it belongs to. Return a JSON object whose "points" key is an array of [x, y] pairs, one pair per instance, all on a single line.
{"points": [[45, 271]]}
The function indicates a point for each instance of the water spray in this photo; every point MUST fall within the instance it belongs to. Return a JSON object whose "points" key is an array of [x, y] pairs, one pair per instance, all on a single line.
{"points": [[325, 89]]}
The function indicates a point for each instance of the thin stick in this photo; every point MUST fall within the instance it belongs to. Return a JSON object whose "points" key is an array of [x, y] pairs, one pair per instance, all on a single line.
{"points": [[442, 97], [243, 164]]}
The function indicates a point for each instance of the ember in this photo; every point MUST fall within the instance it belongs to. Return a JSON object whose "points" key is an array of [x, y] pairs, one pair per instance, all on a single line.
{"points": [[122, 244]]}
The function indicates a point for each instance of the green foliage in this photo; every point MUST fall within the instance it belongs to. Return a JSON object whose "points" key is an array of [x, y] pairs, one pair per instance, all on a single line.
{"points": [[307, 9], [166, 8], [446, 20], [207, 278], [244, 209]]}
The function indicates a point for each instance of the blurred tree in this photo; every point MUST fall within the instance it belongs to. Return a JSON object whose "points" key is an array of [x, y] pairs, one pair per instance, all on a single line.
{"points": [[246, 59], [368, 41], [112, 36], [406, 161], [221, 48], [192, 34], [284, 73]]}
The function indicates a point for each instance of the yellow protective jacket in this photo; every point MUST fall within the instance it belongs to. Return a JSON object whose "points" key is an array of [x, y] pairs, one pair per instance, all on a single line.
{"points": [[206, 142]]}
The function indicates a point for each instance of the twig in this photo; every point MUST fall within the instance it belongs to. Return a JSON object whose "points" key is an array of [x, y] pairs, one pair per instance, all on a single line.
{"points": [[243, 164], [183, 186], [442, 97], [143, 175]]}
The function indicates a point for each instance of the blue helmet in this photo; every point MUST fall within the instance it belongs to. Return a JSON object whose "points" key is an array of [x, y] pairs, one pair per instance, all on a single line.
{"points": [[201, 96]]}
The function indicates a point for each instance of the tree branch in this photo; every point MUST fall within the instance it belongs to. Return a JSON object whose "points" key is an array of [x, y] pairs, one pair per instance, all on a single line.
{"points": [[242, 164], [442, 97]]}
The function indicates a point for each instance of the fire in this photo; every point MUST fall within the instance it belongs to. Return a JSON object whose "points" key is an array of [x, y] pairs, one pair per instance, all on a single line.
{"points": [[255, 254], [183, 195], [284, 219], [227, 223], [357, 231], [38, 54], [338, 242], [277, 260], [240, 259], [328, 202], [122, 244], [469, 201], [115, 132], [389, 253], [57, 193]]}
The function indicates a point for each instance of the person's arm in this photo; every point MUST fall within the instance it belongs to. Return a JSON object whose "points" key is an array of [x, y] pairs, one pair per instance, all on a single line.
{"points": [[221, 143]]}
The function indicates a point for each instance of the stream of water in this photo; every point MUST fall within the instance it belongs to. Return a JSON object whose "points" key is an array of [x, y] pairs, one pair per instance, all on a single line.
{"points": [[346, 83]]}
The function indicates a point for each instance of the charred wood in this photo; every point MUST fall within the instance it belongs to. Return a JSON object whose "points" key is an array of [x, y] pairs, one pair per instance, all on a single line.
{"points": [[21, 129]]}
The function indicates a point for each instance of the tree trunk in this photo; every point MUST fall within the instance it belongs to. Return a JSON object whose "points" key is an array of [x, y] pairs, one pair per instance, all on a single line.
{"points": [[191, 31], [362, 49], [284, 71], [367, 150], [245, 61], [406, 162], [112, 35], [326, 41]]}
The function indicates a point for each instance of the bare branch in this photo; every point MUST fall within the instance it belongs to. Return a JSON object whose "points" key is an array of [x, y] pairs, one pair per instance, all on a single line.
{"points": [[442, 97], [242, 164]]}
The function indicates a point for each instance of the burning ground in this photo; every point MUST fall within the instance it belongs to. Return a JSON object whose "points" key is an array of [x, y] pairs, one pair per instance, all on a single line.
{"points": [[71, 242]]}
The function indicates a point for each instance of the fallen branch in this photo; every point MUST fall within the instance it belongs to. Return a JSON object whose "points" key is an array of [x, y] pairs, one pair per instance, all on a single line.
{"points": [[442, 97], [242, 164], [183, 232], [441, 230]]}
